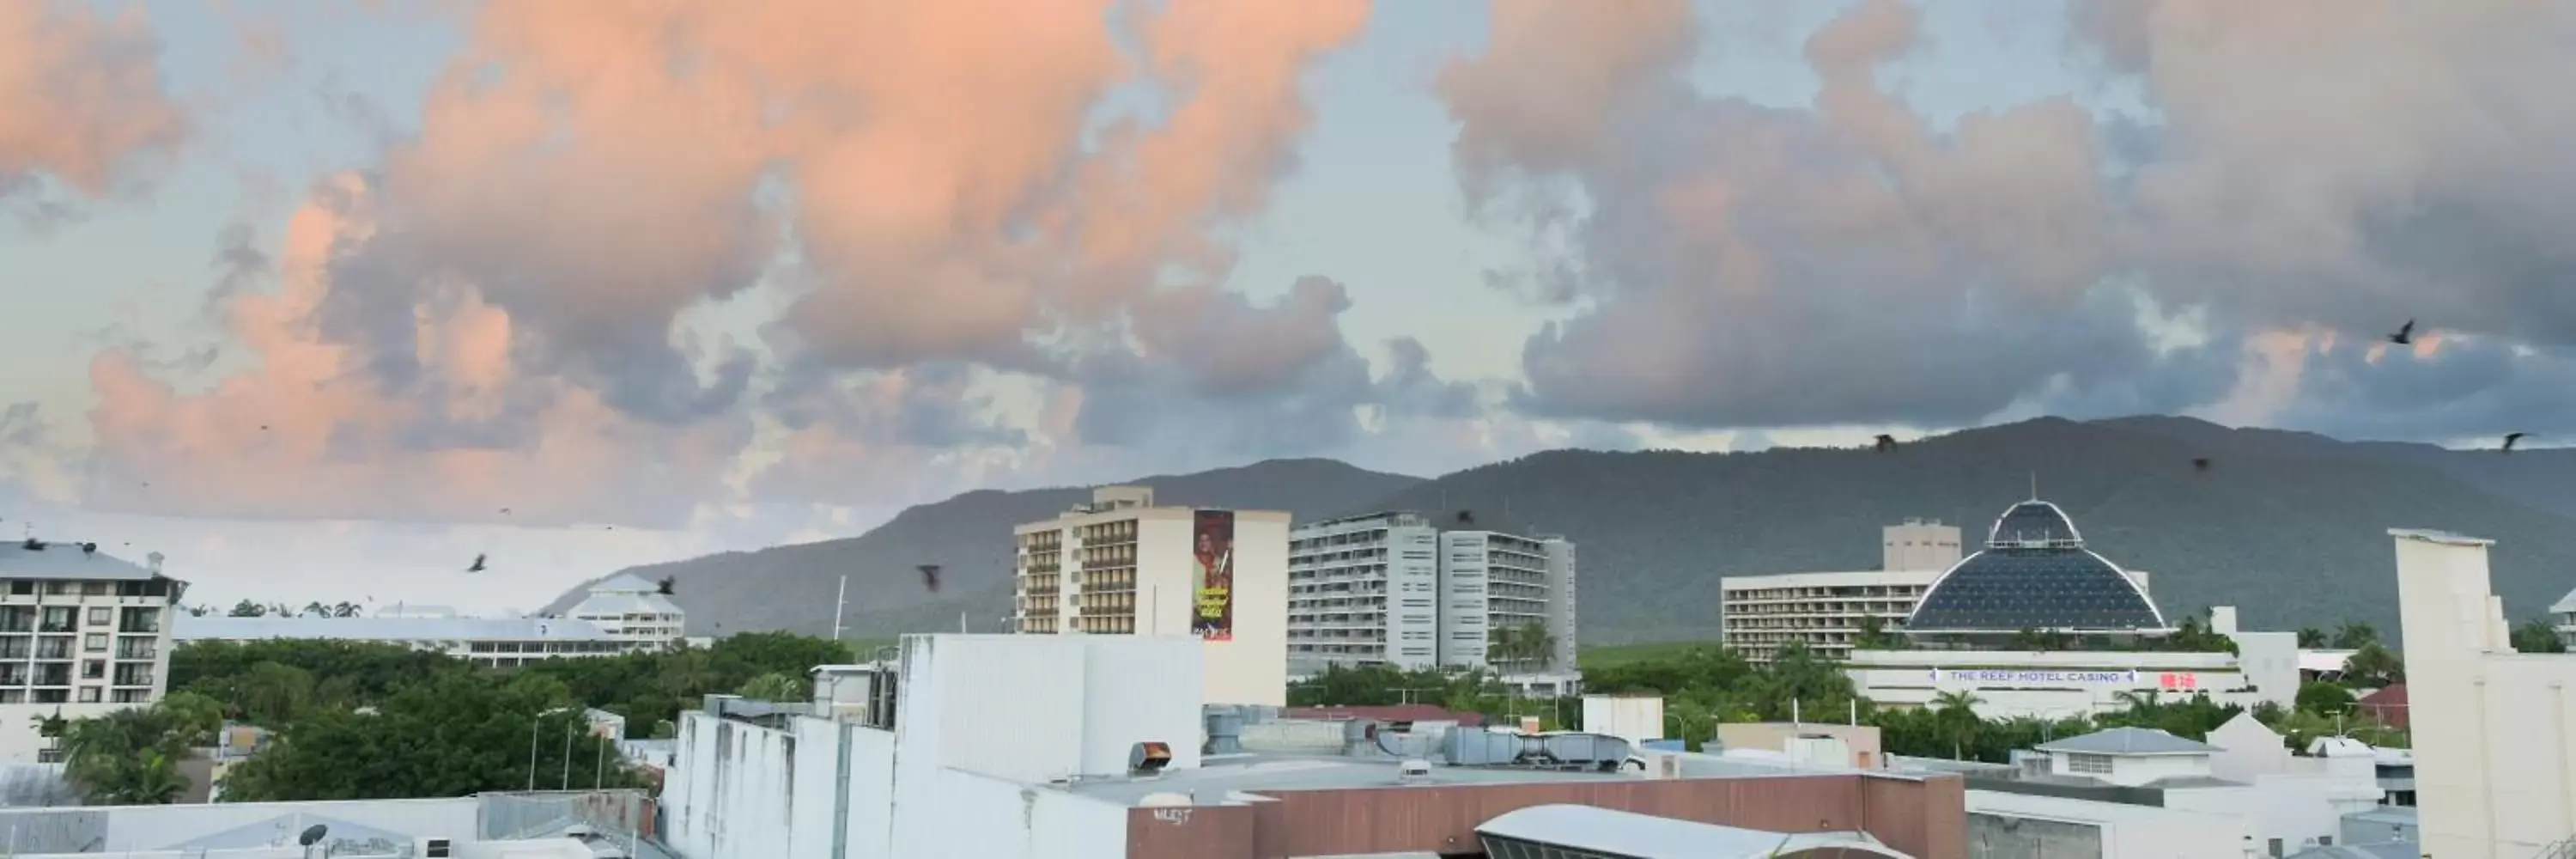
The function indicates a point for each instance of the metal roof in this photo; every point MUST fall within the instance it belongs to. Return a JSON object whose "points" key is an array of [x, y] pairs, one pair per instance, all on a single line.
{"points": [[188, 628], [1596, 830], [66, 561], [623, 603], [2129, 741], [625, 583]]}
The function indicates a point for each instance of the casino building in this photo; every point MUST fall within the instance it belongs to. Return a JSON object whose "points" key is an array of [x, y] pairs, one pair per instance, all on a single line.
{"points": [[2035, 577]]}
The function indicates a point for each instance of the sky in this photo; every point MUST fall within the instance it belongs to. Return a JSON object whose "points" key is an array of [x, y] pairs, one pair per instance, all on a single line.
{"points": [[321, 300]]}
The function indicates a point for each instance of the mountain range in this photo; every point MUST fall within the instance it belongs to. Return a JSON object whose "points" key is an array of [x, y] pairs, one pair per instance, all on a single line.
{"points": [[2288, 526]]}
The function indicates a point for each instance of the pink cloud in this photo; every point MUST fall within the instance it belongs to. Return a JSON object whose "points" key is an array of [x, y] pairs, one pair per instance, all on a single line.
{"points": [[82, 96]]}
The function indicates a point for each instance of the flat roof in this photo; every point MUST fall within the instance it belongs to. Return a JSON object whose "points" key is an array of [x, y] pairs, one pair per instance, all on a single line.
{"points": [[1594, 830], [1261, 772], [2430, 535], [1831, 577], [189, 628]]}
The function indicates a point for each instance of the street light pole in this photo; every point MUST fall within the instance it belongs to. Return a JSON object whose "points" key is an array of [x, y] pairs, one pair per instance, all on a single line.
{"points": [[567, 767], [533, 724]]}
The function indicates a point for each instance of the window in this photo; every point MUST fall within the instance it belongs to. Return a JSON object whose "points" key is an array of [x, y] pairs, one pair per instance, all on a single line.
{"points": [[93, 669], [2088, 764], [89, 695], [98, 616], [95, 642]]}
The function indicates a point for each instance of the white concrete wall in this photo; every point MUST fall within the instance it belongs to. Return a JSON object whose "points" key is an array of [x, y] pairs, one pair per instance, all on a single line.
{"points": [[1562, 597], [729, 794], [1139, 690], [2270, 661], [2128, 831], [19, 740], [1463, 625], [1253, 668], [1012, 704], [2494, 731], [2246, 750], [1908, 678], [2134, 770], [1413, 597]]}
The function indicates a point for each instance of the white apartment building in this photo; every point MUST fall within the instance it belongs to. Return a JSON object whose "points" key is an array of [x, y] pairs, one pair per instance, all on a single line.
{"points": [[498, 642], [1826, 610], [627, 607], [1365, 590], [81, 633], [1122, 566], [1392, 588]]}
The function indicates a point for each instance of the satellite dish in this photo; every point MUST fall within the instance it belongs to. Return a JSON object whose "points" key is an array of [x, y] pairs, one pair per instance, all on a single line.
{"points": [[312, 835]]}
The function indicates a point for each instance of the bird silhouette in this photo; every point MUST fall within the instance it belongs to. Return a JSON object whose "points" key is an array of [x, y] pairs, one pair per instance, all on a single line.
{"points": [[505, 511], [478, 565], [930, 576], [2201, 464], [1886, 443], [2405, 334], [665, 585], [1466, 517], [2510, 438]]}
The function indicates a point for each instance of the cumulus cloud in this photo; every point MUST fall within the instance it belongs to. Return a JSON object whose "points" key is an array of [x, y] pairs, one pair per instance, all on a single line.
{"points": [[85, 107], [307, 432], [925, 205]]}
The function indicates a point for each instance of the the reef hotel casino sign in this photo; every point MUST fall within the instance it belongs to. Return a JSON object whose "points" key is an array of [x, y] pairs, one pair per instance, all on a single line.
{"points": [[2181, 681]]}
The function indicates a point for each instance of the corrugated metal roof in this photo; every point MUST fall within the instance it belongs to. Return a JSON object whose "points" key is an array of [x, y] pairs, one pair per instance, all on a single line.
{"points": [[1593, 829], [2129, 741], [620, 603], [187, 628], [65, 561], [625, 583]]}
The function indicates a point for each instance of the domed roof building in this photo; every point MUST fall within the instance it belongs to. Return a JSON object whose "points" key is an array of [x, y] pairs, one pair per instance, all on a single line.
{"points": [[2035, 574]]}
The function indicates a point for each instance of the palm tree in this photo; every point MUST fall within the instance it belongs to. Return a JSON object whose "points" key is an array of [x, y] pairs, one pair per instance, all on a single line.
{"points": [[1956, 713], [775, 687]]}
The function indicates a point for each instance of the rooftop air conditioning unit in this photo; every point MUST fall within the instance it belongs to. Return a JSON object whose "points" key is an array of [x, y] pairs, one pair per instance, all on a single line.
{"points": [[434, 848]]}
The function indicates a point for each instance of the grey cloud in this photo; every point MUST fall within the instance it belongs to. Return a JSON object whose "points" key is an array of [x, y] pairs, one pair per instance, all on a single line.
{"points": [[2307, 163], [2464, 389], [238, 262]]}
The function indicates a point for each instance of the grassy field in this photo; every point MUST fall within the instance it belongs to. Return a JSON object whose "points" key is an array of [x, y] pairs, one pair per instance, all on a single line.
{"points": [[1608, 655]]}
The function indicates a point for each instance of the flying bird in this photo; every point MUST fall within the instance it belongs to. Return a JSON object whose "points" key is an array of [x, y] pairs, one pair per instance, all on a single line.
{"points": [[930, 576], [478, 565], [2405, 334], [2201, 464], [505, 511], [1886, 443], [1467, 517], [665, 585], [2510, 438]]}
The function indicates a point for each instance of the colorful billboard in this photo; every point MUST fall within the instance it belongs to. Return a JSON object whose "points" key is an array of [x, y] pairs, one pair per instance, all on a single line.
{"points": [[1212, 575]]}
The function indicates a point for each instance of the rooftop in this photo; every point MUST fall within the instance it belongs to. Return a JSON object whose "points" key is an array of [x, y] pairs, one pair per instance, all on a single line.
{"points": [[624, 583], [1591, 830], [66, 561], [601, 602], [2129, 741], [187, 628], [1221, 775], [2444, 537]]}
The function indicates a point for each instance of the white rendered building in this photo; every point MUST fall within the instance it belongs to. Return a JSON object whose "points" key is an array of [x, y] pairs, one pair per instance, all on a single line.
{"points": [[1364, 590], [1825, 611], [2494, 729], [627, 607], [1122, 566], [496, 642], [81, 633], [1392, 588]]}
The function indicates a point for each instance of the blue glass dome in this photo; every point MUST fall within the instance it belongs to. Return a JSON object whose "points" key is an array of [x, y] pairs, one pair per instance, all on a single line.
{"points": [[2035, 574]]}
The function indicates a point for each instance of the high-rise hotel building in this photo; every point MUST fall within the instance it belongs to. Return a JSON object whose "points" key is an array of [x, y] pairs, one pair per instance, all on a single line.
{"points": [[1121, 565], [81, 634], [1391, 588]]}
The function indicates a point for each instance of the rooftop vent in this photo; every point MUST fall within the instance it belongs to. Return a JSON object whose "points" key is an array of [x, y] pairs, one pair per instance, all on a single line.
{"points": [[1148, 758], [1413, 770], [1224, 731]]}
